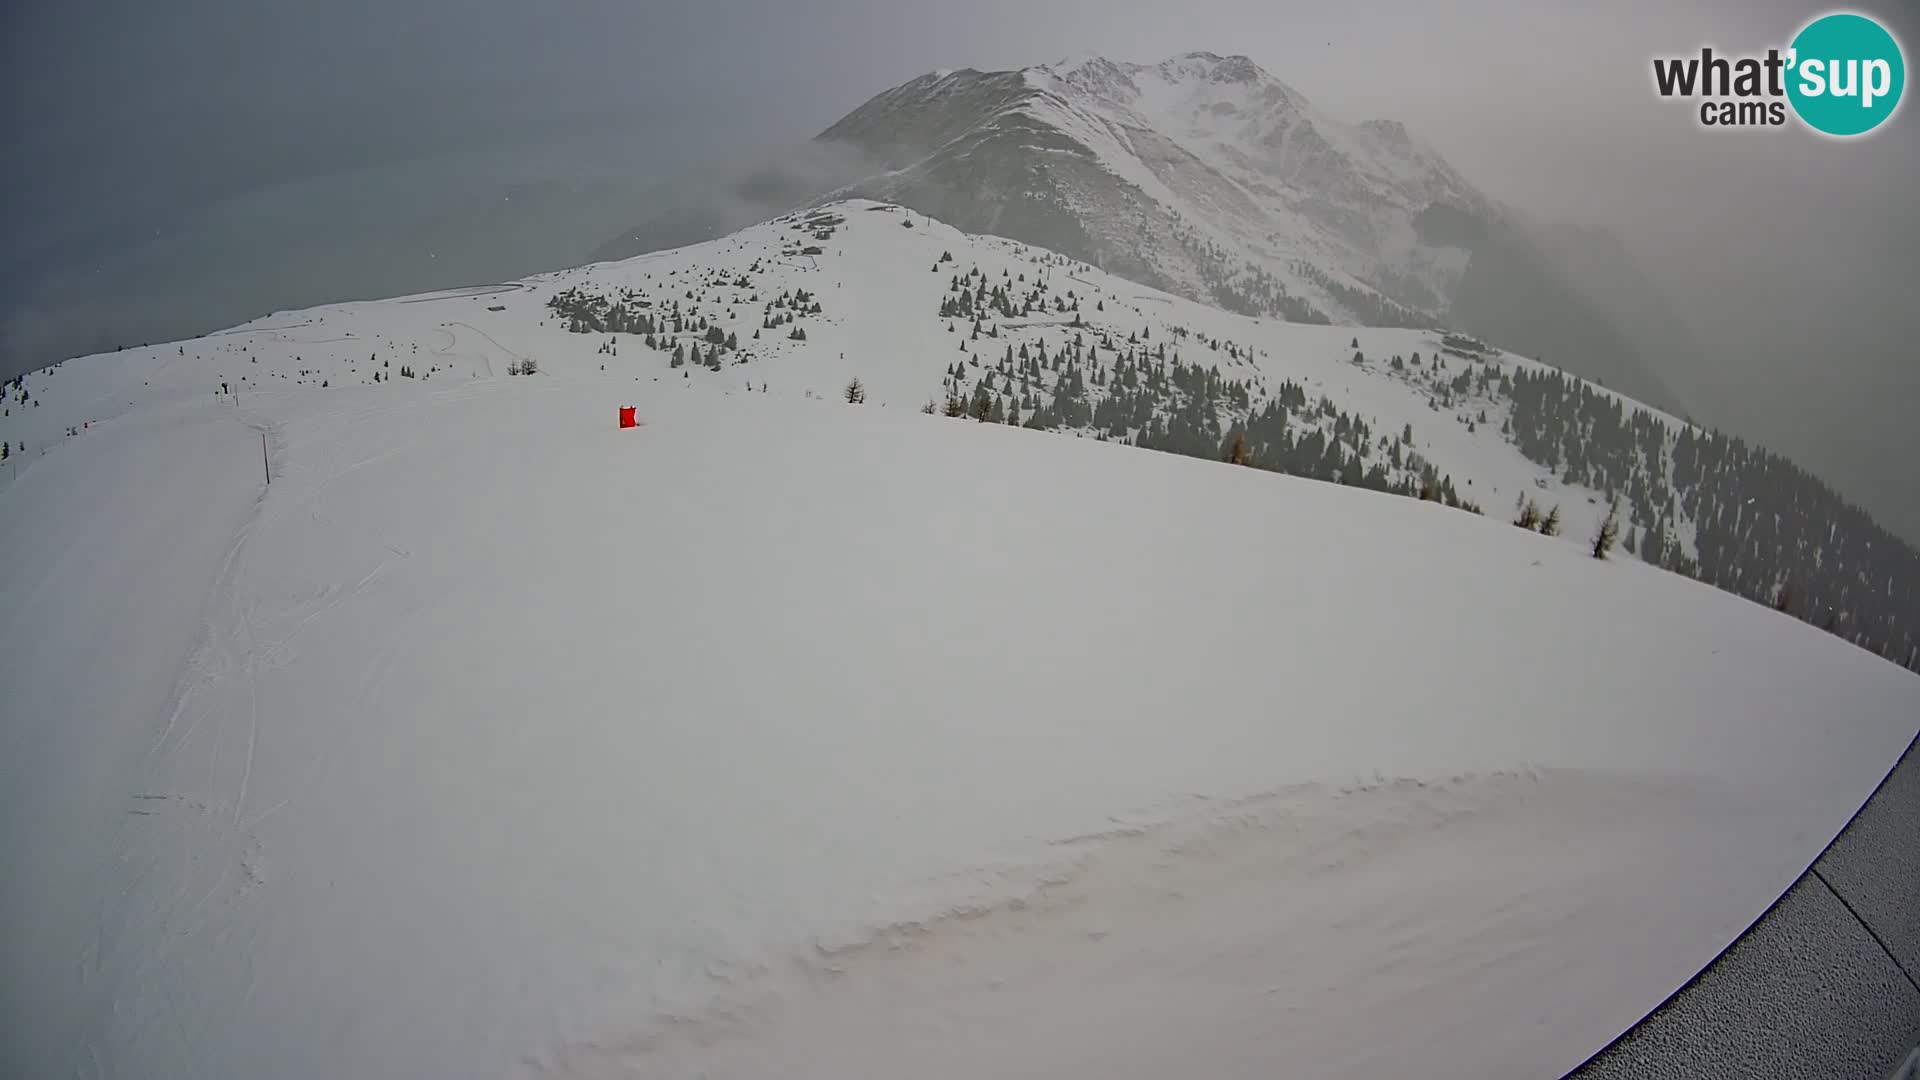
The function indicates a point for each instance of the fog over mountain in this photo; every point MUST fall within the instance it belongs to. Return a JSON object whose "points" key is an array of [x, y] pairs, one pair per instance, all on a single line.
{"points": [[194, 170]]}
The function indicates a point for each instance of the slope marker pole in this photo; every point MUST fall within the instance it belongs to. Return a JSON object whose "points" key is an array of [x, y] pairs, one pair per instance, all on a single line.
{"points": [[264, 467]]}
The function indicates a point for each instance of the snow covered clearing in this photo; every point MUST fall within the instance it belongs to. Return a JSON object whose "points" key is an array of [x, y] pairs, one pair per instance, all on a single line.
{"points": [[783, 736]]}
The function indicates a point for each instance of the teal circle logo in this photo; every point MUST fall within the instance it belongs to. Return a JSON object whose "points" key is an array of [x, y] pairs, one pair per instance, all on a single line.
{"points": [[1846, 74]]}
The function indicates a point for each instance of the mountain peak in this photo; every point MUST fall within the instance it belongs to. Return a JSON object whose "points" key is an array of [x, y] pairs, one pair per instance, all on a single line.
{"points": [[1226, 85], [1199, 65], [1216, 68], [1077, 61], [1094, 74]]}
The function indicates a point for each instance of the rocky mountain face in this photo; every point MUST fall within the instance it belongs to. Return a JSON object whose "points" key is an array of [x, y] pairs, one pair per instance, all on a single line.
{"points": [[1202, 174]]}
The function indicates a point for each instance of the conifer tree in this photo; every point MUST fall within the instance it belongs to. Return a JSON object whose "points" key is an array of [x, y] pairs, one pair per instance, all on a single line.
{"points": [[1238, 454], [1609, 532], [1529, 514]]}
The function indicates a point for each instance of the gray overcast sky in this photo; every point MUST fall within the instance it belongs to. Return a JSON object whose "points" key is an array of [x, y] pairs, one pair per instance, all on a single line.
{"points": [[1792, 256], [163, 105]]}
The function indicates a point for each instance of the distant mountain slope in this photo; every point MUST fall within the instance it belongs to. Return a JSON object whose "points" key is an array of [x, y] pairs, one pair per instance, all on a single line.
{"points": [[1206, 176], [928, 316], [1555, 302], [1206, 169], [1599, 268]]}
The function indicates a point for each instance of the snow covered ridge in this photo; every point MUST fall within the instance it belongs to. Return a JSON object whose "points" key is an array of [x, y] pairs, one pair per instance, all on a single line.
{"points": [[927, 316], [788, 736]]}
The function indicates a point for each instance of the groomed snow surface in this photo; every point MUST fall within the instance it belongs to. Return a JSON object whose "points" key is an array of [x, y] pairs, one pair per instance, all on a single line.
{"points": [[783, 737]]}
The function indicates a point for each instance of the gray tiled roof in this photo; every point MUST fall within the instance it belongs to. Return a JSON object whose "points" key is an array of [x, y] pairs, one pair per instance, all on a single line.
{"points": [[1822, 986]]}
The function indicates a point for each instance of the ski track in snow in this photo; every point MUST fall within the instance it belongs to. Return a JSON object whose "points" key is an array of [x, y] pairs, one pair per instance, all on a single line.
{"points": [[225, 861]]}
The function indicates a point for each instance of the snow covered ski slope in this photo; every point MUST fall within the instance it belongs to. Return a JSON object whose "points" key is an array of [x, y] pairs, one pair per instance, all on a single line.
{"points": [[786, 736]]}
